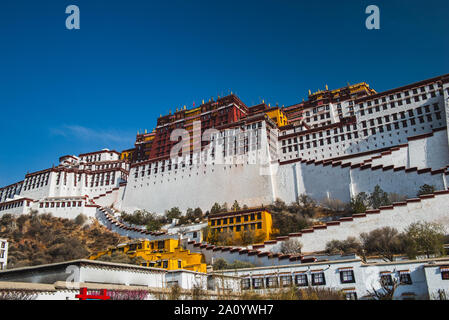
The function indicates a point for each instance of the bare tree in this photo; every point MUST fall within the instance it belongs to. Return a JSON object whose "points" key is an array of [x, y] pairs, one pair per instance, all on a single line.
{"points": [[386, 290], [335, 205], [291, 246], [197, 292], [383, 241], [127, 294], [17, 295], [175, 292]]}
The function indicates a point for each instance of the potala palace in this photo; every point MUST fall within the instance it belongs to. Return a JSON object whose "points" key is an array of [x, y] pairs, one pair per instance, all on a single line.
{"points": [[333, 145]]}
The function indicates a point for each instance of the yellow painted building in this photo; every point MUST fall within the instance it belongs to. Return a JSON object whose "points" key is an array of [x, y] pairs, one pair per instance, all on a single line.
{"points": [[278, 116], [166, 254], [127, 154], [258, 220]]}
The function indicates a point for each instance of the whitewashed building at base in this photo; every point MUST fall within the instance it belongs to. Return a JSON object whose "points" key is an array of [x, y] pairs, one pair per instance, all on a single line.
{"points": [[62, 281], [416, 279]]}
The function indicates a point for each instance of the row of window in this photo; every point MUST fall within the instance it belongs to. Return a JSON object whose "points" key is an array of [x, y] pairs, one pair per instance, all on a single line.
{"points": [[92, 158], [394, 97], [59, 204], [382, 142], [13, 205], [162, 147], [100, 179], [386, 118], [317, 278], [402, 115], [10, 192], [320, 134], [240, 227], [36, 181], [160, 264], [393, 105], [366, 132], [35, 185], [237, 219], [392, 102], [402, 124], [104, 166]]}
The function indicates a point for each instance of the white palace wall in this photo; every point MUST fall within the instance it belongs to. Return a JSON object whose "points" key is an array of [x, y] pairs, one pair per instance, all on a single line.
{"points": [[430, 152], [397, 157], [401, 182], [430, 210], [402, 171], [199, 186]]}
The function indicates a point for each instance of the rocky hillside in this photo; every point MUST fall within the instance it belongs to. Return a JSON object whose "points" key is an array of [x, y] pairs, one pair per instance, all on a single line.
{"points": [[39, 239]]}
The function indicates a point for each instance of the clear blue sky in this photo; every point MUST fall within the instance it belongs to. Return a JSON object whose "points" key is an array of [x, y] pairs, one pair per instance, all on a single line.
{"points": [[73, 91]]}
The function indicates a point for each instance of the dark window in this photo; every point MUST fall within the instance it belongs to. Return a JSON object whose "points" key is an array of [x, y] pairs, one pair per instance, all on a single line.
{"points": [[351, 296], [347, 276], [404, 278], [301, 280], [257, 283], [445, 274], [386, 280], [271, 282], [286, 281], [246, 284], [318, 279]]}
